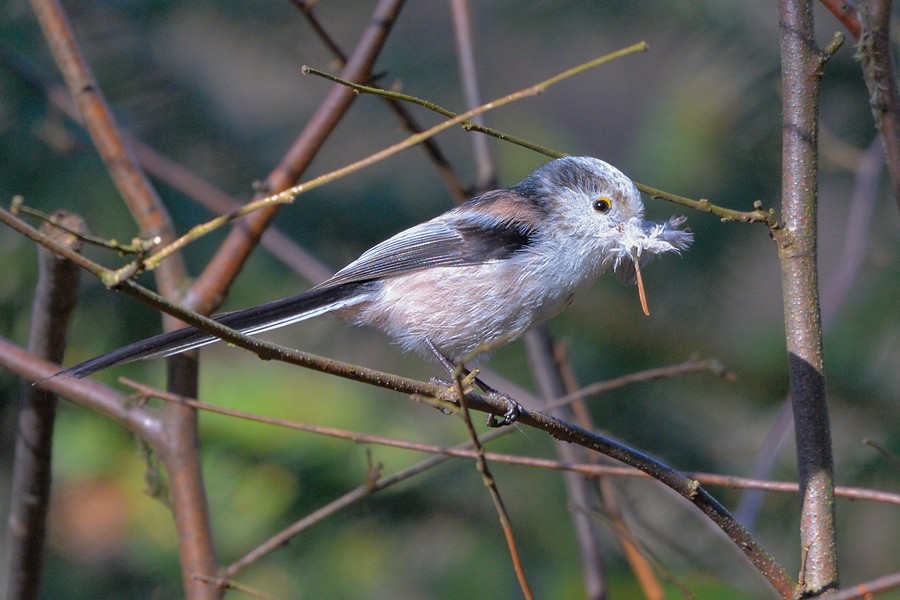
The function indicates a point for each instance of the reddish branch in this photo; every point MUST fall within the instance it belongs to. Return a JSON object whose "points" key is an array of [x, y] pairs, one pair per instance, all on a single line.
{"points": [[179, 448], [212, 286], [195, 539], [846, 13], [877, 63], [137, 192], [869, 22], [54, 301]]}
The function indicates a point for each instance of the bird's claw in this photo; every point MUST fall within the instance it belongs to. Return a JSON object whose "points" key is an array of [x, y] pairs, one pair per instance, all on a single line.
{"points": [[512, 414], [513, 409]]}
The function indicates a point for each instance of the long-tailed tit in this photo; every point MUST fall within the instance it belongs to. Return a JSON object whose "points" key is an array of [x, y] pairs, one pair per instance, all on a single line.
{"points": [[477, 276]]}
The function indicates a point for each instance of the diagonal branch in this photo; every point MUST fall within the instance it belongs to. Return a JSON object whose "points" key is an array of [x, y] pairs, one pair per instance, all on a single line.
{"points": [[757, 215], [211, 287], [266, 204], [430, 147], [137, 192], [559, 429]]}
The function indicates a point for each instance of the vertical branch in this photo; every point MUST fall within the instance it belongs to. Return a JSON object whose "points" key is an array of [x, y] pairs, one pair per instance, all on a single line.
{"points": [[801, 71], [54, 301], [180, 453], [465, 48], [878, 71], [490, 483], [611, 501], [835, 294], [581, 493]]}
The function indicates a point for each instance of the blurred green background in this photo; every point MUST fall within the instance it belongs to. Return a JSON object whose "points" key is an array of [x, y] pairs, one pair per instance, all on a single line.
{"points": [[217, 86]]}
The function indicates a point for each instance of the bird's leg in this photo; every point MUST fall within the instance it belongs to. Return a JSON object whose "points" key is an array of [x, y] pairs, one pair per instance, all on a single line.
{"points": [[513, 408]]}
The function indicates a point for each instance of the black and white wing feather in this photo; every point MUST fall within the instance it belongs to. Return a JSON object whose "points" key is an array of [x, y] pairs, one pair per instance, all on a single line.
{"points": [[442, 242], [448, 240]]}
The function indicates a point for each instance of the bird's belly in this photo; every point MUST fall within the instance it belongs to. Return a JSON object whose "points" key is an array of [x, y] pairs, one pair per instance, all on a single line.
{"points": [[460, 310]]}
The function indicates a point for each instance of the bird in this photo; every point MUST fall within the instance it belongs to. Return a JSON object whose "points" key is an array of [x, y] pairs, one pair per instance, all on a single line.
{"points": [[475, 277]]}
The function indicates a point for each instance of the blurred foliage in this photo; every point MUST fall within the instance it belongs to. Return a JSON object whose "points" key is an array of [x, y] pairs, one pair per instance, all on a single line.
{"points": [[217, 86]]}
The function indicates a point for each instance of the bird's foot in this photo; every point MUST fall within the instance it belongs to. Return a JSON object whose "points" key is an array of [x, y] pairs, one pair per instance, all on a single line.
{"points": [[471, 381], [513, 410]]}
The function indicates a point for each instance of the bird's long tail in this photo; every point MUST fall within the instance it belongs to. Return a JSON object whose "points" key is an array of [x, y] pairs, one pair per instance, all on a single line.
{"points": [[250, 321]]}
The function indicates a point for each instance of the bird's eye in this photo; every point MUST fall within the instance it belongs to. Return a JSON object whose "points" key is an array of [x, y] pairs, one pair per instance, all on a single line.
{"points": [[602, 205]]}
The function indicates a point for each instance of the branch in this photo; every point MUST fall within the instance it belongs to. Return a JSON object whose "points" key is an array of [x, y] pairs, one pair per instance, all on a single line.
{"points": [[491, 484], [757, 215], [289, 195], [54, 301], [465, 451], [86, 392], [191, 513], [802, 65], [486, 178], [877, 62], [137, 192], [440, 162], [557, 428], [554, 379], [211, 287], [846, 13], [865, 591]]}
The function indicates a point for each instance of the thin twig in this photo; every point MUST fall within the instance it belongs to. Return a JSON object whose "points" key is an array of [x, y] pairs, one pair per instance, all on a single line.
{"points": [[688, 367], [289, 195], [491, 484], [868, 590], [371, 486], [211, 287], [893, 458], [486, 178], [465, 451], [431, 148], [137, 246], [222, 584], [306, 8], [757, 215], [467, 125]]}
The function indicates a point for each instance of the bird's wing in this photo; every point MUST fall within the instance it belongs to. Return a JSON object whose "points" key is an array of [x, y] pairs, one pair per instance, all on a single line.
{"points": [[450, 240]]}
